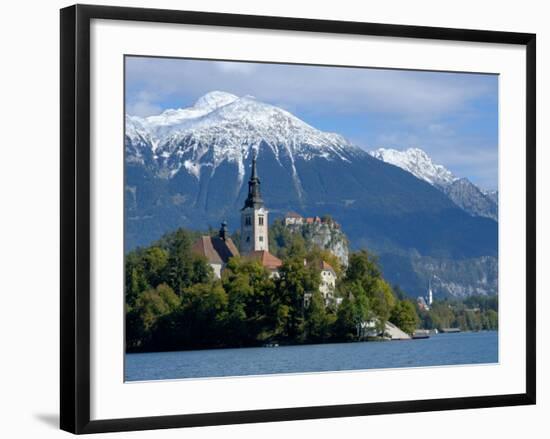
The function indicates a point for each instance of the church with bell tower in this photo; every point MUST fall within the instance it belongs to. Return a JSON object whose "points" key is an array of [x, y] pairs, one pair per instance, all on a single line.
{"points": [[254, 240], [254, 221]]}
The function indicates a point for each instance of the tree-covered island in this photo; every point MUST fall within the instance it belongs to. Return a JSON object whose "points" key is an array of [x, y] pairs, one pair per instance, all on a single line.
{"points": [[290, 282], [174, 300]]}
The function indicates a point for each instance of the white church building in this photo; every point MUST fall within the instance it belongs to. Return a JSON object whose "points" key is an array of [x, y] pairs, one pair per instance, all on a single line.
{"points": [[254, 242], [254, 234]]}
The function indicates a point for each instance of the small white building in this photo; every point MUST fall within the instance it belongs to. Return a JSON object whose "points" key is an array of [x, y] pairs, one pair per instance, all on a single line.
{"points": [[328, 281], [292, 218], [327, 285], [425, 303], [422, 305], [430, 294]]}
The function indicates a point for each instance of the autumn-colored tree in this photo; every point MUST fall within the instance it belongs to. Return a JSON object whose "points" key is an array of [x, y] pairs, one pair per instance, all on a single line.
{"points": [[404, 316]]}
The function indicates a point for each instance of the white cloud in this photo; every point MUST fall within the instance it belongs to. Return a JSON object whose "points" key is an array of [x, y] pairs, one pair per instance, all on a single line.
{"points": [[142, 104], [236, 67], [426, 109], [143, 109], [441, 129], [419, 95], [397, 140]]}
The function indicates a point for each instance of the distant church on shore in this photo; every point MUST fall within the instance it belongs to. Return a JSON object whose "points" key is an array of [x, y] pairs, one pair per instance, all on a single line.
{"points": [[255, 242]]}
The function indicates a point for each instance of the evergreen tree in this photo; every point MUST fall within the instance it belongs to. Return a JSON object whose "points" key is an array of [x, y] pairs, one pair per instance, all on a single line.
{"points": [[296, 280], [353, 312], [183, 268], [318, 319], [345, 327]]}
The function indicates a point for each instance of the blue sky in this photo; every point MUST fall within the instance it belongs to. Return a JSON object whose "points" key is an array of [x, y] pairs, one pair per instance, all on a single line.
{"points": [[452, 116]]}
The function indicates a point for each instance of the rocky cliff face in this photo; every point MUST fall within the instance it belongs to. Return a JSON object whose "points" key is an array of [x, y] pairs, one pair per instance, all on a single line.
{"points": [[448, 277], [467, 196], [460, 191], [418, 163], [327, 236]]}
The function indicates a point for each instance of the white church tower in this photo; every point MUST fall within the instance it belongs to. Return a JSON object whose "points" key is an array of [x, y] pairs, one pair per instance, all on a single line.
{"points": [[254, 225]]}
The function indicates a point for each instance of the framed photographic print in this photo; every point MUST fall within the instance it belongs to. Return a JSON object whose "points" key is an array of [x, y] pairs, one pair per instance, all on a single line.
{"points": [[268, 218]]}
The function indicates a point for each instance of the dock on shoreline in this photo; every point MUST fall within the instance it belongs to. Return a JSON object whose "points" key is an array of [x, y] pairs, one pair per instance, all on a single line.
{"points": [[450, 330]]}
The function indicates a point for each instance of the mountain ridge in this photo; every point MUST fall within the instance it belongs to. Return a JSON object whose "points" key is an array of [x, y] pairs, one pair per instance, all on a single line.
{"points": [[188, 169], [232, 127], [418, 163], [460, 190]]}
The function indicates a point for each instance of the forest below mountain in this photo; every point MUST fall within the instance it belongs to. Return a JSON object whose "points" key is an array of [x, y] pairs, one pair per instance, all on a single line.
{"points": [[174, 301]]}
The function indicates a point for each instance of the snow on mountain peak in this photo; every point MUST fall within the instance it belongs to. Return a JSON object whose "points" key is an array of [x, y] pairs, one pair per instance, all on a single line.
{"points": [[215, 99], [223, 127], [460, 191], [418, 163], [171, 120]]}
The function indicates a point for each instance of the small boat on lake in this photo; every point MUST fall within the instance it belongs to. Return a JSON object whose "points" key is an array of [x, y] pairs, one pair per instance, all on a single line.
{"points": [[421, 333]]}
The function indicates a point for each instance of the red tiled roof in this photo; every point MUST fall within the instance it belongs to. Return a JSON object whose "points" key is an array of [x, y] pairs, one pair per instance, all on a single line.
{"points": [[215, 249], [323, 265], [293, 215], [266, 259]]}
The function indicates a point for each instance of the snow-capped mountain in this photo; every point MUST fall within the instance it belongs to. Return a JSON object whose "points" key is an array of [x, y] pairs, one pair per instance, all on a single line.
{"points": [[418, 163], [492, 194], [188, 167], [221, 127], [469, 197], [461, 191]]}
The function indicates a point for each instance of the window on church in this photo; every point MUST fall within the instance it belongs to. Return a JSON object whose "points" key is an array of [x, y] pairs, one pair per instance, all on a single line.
{"points": [[261, 238], [261, 220], [248, 221], [248, 239]]}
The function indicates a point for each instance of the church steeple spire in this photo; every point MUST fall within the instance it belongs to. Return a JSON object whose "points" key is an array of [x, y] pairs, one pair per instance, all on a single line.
{"points": [[254, 224], [254, 198], [254, 175]]}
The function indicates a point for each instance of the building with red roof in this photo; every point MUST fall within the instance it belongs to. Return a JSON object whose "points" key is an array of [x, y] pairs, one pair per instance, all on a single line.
{"points": [[254, 243], [293, 218], [216, 249], [269, 261]]}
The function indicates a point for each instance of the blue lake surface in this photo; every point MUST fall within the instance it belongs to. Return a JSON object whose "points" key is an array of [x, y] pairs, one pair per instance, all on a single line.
{"points": [[438, 350]]}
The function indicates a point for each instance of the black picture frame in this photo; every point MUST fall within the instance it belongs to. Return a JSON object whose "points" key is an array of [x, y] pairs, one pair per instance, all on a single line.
{"points": [[75, 217]]}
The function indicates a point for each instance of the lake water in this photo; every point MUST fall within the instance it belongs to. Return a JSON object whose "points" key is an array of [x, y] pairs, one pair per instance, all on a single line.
{"points": [[438, 350]]}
